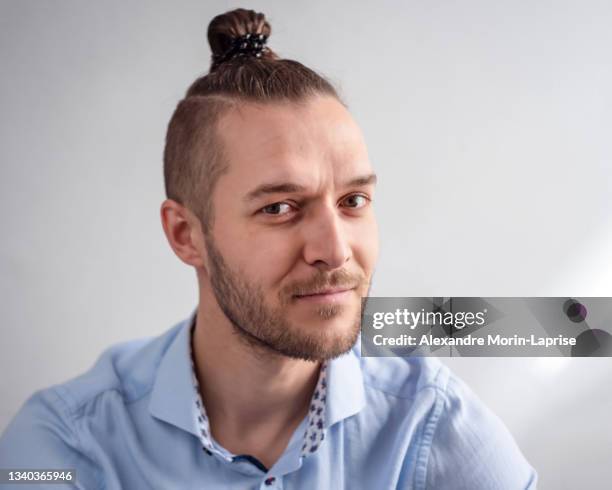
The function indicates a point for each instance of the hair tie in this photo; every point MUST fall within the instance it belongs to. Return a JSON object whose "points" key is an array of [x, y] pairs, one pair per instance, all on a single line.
{"points": [[247, 45]]}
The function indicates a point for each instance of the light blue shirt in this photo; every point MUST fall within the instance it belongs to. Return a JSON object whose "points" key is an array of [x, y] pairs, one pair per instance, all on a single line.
{"points": [[128, 423]]}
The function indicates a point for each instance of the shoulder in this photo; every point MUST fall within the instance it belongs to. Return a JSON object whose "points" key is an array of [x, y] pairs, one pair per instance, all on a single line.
{"points": [[45, 431], [126, 370], [462, 443], [468, 446]]}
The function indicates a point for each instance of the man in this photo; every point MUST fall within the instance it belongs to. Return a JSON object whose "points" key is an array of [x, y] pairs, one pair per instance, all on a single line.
{"points": [[270, 195]]}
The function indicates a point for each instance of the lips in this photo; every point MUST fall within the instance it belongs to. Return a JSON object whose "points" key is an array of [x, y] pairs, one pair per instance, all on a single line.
{"points": [[324, 292], [330, 295]]}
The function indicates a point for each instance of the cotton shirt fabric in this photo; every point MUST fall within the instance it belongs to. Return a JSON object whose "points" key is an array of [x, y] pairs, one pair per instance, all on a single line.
{"points": [[130, 422]]}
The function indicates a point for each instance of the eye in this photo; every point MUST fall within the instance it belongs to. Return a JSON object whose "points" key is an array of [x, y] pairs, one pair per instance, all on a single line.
{"points": [[277, 209], [355, 201]]}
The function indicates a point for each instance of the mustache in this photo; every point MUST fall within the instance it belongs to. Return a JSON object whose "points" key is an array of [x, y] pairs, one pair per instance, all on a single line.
{"points": [[337, 279]]}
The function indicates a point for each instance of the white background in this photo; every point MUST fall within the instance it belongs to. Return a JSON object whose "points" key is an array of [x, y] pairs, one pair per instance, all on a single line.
{"points": [[488, 122]]}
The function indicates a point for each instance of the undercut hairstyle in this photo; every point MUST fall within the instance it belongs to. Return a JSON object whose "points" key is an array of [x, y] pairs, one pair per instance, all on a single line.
{"points": [[194, 157]]}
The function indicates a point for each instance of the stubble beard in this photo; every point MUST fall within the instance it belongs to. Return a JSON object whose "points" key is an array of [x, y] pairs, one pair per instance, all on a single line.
{"points": [[266, 329]]}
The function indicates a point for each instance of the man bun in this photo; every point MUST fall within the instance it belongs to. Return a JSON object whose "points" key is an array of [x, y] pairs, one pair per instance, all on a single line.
{"points": [[239, 33]]}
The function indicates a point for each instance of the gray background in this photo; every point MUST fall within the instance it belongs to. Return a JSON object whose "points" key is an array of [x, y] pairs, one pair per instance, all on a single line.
{"points": [[488, 123]]}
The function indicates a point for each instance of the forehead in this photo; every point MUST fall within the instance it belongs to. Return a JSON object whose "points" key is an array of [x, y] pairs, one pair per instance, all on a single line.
{"points": [[308, 142]]}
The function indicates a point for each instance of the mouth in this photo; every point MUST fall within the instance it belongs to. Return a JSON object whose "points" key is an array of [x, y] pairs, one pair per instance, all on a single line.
{"points": [[328, 295]]}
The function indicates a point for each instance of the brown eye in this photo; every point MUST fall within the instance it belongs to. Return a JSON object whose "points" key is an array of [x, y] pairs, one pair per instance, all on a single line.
{"points": [[355, 201]]}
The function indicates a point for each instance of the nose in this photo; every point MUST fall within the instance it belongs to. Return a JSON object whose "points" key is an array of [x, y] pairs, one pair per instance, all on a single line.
{"points": [[327, 244]]}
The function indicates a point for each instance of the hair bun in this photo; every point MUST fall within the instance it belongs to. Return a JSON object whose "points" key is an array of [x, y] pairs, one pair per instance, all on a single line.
{"points": [[225, 30]]}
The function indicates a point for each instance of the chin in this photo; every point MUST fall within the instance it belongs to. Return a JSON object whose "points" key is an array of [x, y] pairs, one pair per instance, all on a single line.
{"points": [[335, 320], [317, 338], [319, 312]]}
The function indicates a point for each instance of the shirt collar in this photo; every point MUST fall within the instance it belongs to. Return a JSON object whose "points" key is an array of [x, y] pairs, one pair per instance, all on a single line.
{"points": [[315, 427], [172, 394], [346, 394], [172, 397]]}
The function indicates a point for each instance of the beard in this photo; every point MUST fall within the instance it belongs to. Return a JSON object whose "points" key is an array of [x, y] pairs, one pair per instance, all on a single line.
{"points": [[266, 329]]}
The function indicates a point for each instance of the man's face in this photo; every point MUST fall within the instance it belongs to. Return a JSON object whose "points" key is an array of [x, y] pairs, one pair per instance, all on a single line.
{"points": [[294, 240]]}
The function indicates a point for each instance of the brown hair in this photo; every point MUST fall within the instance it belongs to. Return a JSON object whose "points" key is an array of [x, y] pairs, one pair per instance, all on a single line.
{"points": [[193, 157]]}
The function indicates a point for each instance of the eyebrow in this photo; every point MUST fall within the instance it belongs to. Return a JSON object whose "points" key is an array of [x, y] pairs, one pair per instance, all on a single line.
{"points": [[287, 187]]}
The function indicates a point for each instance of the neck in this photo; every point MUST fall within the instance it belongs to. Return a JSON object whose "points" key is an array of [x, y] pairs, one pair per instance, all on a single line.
{"points": [[244, 390]]}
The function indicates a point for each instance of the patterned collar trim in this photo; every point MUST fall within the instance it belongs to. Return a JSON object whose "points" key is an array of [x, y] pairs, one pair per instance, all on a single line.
{"points": [[315, 428]]}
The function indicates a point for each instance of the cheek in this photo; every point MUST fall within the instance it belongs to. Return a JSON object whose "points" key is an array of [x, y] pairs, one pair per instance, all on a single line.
{"points": [[366, 246], [264, 259]]}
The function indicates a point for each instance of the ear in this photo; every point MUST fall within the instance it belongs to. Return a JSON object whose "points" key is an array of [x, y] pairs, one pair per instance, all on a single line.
{"points": [[184, 233]]}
